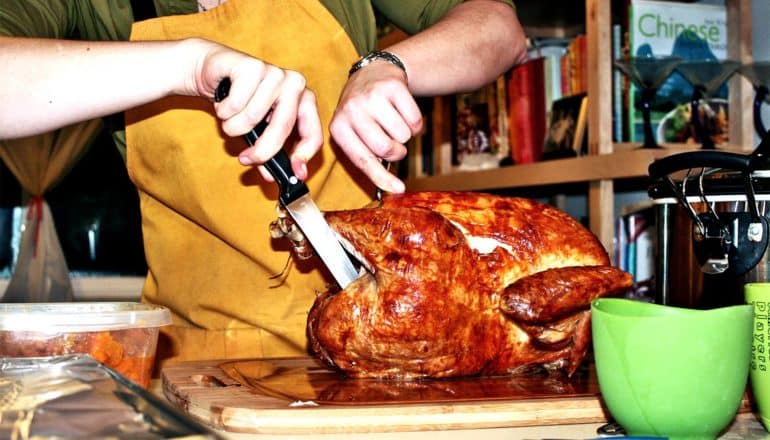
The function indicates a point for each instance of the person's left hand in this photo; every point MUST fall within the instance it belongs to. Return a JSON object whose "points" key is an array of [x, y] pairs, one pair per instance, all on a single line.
{"points": [[375, 116]]}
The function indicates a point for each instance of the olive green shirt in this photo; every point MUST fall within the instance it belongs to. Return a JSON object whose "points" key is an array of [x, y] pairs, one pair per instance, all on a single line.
{"points": [[112, 19], [104, 20]]}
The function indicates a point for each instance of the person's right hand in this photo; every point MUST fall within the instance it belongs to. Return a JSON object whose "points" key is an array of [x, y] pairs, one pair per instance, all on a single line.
{"points": [[259, 90]]}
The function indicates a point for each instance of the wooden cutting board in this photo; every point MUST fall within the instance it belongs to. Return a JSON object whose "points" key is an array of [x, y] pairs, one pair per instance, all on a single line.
{"points": [[300, 396]]}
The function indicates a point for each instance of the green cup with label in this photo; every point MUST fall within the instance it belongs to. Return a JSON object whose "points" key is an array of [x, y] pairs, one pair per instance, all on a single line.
{"points": [[758, 295]]}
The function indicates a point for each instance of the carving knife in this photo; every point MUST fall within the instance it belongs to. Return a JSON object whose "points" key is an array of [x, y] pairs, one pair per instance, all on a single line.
{"points": [[295, 197]]}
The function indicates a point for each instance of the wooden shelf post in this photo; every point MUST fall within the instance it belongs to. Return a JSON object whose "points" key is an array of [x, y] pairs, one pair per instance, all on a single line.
{"points": [[601, 206], [739, 48]]}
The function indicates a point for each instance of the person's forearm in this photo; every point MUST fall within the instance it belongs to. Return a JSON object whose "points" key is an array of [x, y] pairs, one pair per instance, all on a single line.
{"points": [[51, 83], [473, 44], [47, 84]]}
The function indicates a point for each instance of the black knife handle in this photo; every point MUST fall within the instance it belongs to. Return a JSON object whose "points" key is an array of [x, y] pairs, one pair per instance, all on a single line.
{"points": [[279, 166], [291, 188]]}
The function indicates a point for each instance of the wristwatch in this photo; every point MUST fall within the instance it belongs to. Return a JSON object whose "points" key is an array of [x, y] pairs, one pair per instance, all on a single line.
{"points": [[376, 55]]}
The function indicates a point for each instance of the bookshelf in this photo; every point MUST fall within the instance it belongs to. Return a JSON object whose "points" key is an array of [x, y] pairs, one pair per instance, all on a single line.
{"points": [[607, 162]]}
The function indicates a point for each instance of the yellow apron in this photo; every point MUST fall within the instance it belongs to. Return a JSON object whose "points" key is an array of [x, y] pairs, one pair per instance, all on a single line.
{"points": [[205, 217]]}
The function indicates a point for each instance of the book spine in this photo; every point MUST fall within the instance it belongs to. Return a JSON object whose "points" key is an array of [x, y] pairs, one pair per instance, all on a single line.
{"points": [[617, 85], [620, 244], [574, 71], [566, 89], [526, 95], [632, 113], [501, 100], [582, 63]]}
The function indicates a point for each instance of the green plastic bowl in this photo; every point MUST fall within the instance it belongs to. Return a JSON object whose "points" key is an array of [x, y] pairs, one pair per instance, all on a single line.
{"points": [[671, 372]]}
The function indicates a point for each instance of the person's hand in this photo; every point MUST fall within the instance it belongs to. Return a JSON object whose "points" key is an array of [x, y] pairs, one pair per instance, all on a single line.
{"points": [[261, 90], [375, 116]]}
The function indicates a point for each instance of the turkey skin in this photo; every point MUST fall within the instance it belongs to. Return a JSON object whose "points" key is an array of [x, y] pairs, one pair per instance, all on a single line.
{"points": [[459, 284]]}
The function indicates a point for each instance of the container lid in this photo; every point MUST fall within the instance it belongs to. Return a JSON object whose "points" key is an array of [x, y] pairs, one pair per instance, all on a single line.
{"points": [[81, 316]]}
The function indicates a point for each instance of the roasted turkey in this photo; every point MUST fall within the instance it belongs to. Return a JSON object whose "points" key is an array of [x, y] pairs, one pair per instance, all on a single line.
{"points": [[460, 284]]}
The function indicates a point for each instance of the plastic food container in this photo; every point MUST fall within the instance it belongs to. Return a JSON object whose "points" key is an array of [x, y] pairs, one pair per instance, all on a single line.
{"points": [[121, 335]]}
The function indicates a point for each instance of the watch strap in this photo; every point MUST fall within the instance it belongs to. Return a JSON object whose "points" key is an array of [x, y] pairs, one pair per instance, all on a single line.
{"points": [[376, 55]]}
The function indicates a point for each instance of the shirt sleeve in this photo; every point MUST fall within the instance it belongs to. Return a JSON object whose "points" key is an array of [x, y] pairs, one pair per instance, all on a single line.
{"points": [[415, 15], [69, 19], [35, 18]]}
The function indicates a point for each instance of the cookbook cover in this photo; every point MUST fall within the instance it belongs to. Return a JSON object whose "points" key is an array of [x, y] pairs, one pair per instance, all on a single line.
{"points": [[689, 30]]}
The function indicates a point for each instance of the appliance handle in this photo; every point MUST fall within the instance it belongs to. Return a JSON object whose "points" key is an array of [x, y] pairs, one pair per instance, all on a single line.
{"points": [[661, 168], [699, 159]]}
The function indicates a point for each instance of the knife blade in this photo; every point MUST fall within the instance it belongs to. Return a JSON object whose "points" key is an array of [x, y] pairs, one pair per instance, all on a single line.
{"points": [[294, 195]]}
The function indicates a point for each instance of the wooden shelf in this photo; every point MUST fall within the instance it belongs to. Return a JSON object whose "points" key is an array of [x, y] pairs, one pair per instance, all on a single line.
{"points": [[626, 162]]}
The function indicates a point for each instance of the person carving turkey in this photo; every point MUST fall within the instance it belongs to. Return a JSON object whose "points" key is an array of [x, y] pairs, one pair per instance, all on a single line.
{"points": [[205, 217]]}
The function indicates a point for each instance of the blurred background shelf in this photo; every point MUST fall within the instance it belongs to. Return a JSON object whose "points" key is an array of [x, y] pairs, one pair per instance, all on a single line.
{"points": [[607, 163]]}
